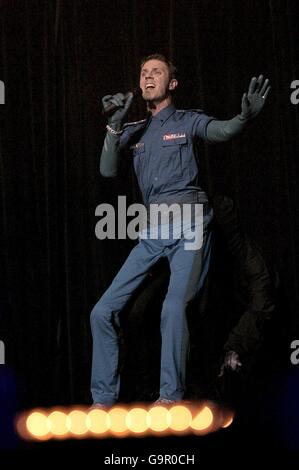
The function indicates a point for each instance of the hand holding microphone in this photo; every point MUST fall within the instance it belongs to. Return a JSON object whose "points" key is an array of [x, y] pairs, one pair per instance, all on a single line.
{"points": [[116, 107]]}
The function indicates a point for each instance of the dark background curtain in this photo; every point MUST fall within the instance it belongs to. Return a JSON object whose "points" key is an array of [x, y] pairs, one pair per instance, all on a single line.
{"points": [[57, 59]]}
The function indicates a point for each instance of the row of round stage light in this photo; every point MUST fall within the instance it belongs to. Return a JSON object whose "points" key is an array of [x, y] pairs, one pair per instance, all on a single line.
{"points": [[122, 421]]}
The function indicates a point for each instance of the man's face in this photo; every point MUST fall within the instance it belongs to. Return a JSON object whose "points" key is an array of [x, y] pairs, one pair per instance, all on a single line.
{"points": [[154, 80]]}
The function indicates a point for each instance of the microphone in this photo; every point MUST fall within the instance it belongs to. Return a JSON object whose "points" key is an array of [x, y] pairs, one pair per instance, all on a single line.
{"points": [[109, 110]]}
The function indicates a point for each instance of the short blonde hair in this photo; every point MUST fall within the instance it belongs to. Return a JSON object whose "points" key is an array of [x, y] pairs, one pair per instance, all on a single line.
{"points": [[171, 68]]}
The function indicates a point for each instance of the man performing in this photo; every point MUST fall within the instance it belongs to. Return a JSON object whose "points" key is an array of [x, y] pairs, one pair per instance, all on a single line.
{"points": [[165, 162]]}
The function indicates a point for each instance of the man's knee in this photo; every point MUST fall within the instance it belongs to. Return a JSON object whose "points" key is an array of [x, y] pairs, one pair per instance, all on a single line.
{"points": [[100, 313]]}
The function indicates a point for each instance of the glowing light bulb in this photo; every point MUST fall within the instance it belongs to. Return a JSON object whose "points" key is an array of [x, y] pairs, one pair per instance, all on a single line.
{"points": [[118, 421], [59, 423], [158, 419], [77, 422], [137, 420], [98, 421], [202, 420], [38, 425], [180, 418]]}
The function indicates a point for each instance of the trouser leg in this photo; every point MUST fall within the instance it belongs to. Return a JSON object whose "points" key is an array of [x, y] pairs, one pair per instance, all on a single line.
{"points": [[188, 272], [104, 377]]}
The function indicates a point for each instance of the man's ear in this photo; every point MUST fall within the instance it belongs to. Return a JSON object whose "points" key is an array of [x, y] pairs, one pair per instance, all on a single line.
{"points": [[173, 84]]}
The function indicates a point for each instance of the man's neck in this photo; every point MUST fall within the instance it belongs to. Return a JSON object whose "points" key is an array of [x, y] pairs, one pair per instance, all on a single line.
{"points": [[155, 107]]}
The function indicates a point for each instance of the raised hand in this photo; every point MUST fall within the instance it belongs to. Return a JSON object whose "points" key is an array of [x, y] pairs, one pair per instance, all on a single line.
{"points": [[254, 100], [231, 362], [122, 103]]}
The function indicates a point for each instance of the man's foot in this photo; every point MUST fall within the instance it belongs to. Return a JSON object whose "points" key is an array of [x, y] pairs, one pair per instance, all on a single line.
{"points": [[98, 406], [164, 401]]}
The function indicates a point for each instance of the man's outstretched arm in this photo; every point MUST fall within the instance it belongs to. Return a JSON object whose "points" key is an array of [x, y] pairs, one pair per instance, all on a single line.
{"points": [[110, 151], [252, 104]]}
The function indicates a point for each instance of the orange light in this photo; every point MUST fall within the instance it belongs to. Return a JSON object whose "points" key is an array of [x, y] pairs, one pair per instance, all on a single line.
{"points": [[121, 421], [118, 424], [228, 422], [77, 422], [180, 418], [158, 418], [59, 424], [38, 425], [98, 421], [202, 420], [137, 420]]}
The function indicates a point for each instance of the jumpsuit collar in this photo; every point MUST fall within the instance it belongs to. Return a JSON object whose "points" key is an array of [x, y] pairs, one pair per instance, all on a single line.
{"points": [[165, 113]]}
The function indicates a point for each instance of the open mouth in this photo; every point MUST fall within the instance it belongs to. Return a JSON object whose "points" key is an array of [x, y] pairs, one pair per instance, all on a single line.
{"points": [[149, 85]]}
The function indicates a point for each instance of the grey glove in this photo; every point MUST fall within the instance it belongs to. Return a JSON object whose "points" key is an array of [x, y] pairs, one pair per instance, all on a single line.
{"points": [[123, 103], [110, 151], [231, 362], [253, 101]]}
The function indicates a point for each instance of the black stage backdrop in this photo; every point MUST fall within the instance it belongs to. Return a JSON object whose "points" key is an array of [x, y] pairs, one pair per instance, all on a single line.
{"points": [[57, 59]]}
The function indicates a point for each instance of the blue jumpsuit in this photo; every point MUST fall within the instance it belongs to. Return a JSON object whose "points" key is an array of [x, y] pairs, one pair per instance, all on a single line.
{"points": [[166, 165]]}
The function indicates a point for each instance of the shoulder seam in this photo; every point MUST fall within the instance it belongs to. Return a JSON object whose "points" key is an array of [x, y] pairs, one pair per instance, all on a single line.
{"points": [[190, 110], [134, 122]]}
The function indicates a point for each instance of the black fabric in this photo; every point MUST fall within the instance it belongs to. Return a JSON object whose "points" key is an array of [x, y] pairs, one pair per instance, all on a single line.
{"points": [[57, 60], [254, 283]]}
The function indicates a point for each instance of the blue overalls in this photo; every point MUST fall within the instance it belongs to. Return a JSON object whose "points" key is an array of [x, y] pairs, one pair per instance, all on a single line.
{"points": [[165, 162]]}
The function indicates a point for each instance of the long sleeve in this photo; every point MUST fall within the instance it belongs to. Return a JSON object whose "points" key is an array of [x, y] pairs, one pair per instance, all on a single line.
{"points": [[110, 155], [222, 131]]}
